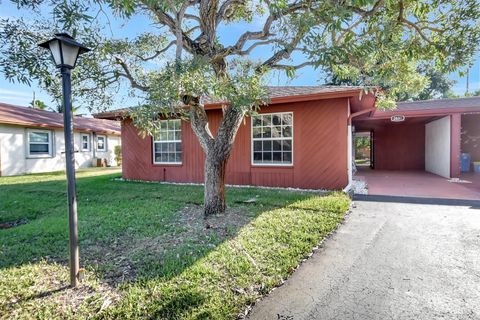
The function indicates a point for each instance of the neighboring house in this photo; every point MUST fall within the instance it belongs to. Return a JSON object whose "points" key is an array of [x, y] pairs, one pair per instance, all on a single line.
{"points": [[303, 139], [32, 140]]}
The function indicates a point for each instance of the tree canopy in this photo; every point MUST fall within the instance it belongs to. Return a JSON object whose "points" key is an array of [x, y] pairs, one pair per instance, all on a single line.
{"points": [[380, 42], [438, 85]]}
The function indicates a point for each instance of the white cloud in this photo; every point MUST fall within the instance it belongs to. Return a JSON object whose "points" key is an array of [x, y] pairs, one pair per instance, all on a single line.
{"points": [[15, 97], [15, 93]]}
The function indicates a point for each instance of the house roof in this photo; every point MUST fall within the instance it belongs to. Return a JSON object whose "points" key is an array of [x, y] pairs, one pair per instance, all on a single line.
{"points": [[277, 94], [25, 116], [436, 107]]}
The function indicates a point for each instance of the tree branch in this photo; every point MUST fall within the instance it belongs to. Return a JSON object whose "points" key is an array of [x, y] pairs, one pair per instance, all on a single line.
{"points": [[285, 52], [128, 75], [169, 22], [191, 17], [157, 53], [224, 8], [199, 123], [253, 46], [295, 67], [265, 32]]}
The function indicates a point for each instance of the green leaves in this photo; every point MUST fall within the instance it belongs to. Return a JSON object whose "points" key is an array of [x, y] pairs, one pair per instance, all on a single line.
{"points": [[242, 87], [385, 43], [363, 42]]}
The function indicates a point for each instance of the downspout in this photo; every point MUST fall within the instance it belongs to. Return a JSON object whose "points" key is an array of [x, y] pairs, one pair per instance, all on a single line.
{"points": [[348, 188], [349, 152]]}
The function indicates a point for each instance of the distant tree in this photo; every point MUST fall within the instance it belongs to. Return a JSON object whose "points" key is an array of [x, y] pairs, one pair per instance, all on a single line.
{"points": [[362, 142], [59, 108], [437, 86], [118, 155], [37, 104], [474, 93]]}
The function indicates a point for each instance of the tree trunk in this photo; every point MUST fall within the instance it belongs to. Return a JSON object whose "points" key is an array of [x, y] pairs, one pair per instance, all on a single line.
{"points": [[214, 185]]}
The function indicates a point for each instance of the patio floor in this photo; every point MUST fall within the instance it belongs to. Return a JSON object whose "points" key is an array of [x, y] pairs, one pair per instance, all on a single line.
{"points": [[419, 184]]}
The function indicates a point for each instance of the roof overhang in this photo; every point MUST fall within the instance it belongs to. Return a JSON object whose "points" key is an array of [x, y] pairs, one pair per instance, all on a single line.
{"points": [[358, 101], [380, 114], [50, 126]]}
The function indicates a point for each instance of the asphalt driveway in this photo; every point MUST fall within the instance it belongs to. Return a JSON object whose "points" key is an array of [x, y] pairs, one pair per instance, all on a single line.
{"points": [[390, 260]]}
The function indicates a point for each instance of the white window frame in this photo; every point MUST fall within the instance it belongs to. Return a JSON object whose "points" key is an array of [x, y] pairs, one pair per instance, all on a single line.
{"points": [[252, 140], [50, 144], [167, 141], [88, 142], [104, 143]]}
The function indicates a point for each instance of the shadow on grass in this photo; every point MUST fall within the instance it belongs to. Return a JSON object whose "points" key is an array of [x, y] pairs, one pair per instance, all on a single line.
{"points": [[40, 295], [127, 230]]}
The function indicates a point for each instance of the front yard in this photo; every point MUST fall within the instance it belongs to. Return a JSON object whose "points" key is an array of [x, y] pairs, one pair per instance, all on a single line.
{"points": [[147, 251]]}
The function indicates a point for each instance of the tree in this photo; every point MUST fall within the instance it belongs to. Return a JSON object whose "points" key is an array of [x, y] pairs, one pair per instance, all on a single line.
{"points": [[59, 108], [377, 41], [37, 104], [438, 85]]}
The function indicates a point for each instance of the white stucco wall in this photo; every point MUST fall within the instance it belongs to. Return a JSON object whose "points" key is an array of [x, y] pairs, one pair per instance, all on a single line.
{"points": [[14, 159], [437, 147]]}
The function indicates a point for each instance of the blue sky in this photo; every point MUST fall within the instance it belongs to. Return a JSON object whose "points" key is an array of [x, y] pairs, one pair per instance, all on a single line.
{"points": [[20, 94]]}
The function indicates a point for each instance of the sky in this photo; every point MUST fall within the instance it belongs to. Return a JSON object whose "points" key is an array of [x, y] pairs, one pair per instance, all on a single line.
{"points": [[20, 94]]}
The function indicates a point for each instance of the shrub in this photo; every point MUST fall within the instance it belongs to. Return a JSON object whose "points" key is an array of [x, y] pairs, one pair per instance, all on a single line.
{"points": [[118, 155]]}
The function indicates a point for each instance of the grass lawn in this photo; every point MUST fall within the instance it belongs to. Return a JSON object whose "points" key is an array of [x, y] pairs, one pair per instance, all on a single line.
{"points": [[147, 250]]}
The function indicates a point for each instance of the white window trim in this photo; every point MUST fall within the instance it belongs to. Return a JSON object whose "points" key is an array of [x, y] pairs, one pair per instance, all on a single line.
{"points": [[50, 144], [105, 148], [89, 142], [166, 141], [271, 139]]}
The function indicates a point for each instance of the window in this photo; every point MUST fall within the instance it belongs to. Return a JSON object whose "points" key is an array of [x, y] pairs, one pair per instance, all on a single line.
{"points": [[167, 144], [39, 143], [85, 142], [101, 143], [272, 139]]}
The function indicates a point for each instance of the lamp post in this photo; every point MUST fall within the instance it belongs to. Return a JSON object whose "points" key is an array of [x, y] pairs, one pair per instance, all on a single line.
{"points": [[65, 51]]}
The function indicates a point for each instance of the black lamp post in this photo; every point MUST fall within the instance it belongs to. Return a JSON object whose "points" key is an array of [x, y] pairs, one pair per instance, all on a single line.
{"points": [[65, 51]]}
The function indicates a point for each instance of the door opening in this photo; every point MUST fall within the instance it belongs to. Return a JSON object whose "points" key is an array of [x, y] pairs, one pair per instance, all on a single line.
{"points": [[363, 149]]}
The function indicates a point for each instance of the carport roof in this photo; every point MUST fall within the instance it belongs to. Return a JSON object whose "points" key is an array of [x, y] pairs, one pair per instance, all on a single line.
{"points": [[457, 103], [438, 107]]}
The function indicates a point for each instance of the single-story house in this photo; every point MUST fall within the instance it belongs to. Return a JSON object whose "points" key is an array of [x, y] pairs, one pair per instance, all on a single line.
{"points": [[299, 140], [32, 140], [304, 139]]}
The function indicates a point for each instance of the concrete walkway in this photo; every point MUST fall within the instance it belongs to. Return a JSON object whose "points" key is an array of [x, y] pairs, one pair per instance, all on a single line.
{"points": [[389, 260]]}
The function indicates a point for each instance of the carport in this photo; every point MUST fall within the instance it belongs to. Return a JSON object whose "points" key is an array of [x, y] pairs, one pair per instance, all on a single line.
{"points": [[416, 149]]}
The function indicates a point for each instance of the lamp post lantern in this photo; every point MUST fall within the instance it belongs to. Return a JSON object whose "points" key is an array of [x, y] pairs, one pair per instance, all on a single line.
{"points": [[65, 51]]}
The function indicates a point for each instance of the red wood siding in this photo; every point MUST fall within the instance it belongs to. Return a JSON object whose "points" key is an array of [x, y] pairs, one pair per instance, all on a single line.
{"points": [[400, 146], [319, 151]]}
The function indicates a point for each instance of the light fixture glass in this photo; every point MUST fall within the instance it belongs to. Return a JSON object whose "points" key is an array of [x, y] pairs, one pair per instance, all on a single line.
{"points": [[70, 54], [54, 47], [65, 50]]}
